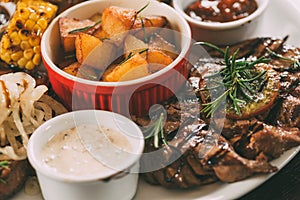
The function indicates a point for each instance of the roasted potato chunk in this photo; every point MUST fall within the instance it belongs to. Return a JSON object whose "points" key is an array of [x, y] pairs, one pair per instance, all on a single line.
{"points": [[133, 68], [82, 71], [72, 68], [147, 25], [158, 42], [134, 45], [157, 60], [102, 56], [69, 24], [116, 21], [84, 44]]}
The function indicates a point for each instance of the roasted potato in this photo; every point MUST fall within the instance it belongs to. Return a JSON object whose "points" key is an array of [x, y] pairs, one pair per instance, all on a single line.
{"points": [[72, 68], [66, 25], [102, 56], [158, 42], [116, 21], [119, 43], [134, 45], [157, 60], [145, 26], [84, 44], [133, 68], [82, 71]]}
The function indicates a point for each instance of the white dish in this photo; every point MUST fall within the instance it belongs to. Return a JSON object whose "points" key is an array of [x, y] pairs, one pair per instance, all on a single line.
{"points": [[274, 25]]}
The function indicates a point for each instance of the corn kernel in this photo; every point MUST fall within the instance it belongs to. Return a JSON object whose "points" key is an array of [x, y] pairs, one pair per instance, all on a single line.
{"points": [[22, 5], [22, 62], [37, 49], [36, 59], [34, 41], [25, 45], [17, 55], [29, 24], [37, 29], [5, 57], [24, 13], [5, 42], [14, 36], [42, 23], [29, 65], [28, 53], [24, 34], [19, 22], [34, 16]]}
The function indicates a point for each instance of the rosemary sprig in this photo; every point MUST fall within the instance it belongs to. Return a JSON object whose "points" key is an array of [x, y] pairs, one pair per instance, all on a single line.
{"points": [[156, 131], [143, 8], [131, 54], [84, 28], [4, 164], [238, 78], [295, 62]]}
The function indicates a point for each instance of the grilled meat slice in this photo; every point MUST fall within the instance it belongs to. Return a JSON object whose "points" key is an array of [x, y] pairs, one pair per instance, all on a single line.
{"points": [[270, 140], [289, 115], [13, 178], [255, 47], [203, 157]]}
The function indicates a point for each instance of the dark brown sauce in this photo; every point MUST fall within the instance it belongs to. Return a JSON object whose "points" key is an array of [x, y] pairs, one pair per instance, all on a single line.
{"points": [[4, 15], [221, 10]]}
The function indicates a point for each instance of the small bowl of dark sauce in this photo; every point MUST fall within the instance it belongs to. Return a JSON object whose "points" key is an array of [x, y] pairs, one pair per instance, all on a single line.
{"points": [[221, 22]]}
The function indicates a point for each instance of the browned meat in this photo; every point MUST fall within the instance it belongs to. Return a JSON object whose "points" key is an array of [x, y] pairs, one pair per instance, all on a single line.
{"points": [[289, 115], [270, 140], [288, 82], [196, 154], [253, 47], [202, 158], [13, 178]]}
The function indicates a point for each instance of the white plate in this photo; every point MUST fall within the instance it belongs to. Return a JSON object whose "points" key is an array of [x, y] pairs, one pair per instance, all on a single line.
{"points": [[281, 19]]}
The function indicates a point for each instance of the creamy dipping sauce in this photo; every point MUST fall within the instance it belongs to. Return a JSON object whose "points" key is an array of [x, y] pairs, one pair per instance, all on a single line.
{"points": [[65, 151]]}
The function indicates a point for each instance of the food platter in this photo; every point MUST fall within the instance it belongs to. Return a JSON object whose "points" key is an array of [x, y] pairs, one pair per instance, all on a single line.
{"points": [[274, 25]]}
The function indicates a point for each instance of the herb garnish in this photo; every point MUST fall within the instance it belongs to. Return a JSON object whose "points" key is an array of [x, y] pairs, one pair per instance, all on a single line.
{"points": [[4, 164], [295, 62], [143, 8], [84, 28], [238, 78], [156, 131], [131, 54]]}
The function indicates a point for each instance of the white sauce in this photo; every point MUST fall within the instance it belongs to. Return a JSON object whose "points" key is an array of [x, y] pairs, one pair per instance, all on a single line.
{"points": [[66, 153]]}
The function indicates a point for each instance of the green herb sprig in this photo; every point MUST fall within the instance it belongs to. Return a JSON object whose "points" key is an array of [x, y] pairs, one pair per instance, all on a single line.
{"points": [[295, 62], [237, 80], [156, 131], [143, 8], [84, 28], [131, 54], [4, 164]]}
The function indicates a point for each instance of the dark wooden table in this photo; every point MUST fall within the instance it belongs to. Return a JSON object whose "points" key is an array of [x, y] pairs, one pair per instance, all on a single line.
{"points": [[285, 185]]}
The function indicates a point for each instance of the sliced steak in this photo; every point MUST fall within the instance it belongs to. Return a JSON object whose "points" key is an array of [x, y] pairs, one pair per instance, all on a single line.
{"points": [[13, 178], [289, 115]]}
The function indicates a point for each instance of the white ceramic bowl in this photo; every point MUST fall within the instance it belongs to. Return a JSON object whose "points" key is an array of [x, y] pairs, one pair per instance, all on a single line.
{"points": [[222, 33], [59, 186]]}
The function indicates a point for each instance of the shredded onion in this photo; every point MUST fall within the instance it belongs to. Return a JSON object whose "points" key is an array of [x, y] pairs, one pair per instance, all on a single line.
{"points": [[23, 109]]}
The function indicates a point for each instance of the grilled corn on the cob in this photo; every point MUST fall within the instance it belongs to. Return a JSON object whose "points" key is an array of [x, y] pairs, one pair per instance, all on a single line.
{"points": [[20, 43]]}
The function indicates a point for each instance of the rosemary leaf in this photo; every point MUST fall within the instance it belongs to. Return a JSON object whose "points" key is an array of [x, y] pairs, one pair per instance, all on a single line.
{"points": [[84, 28], [143, 8]]}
